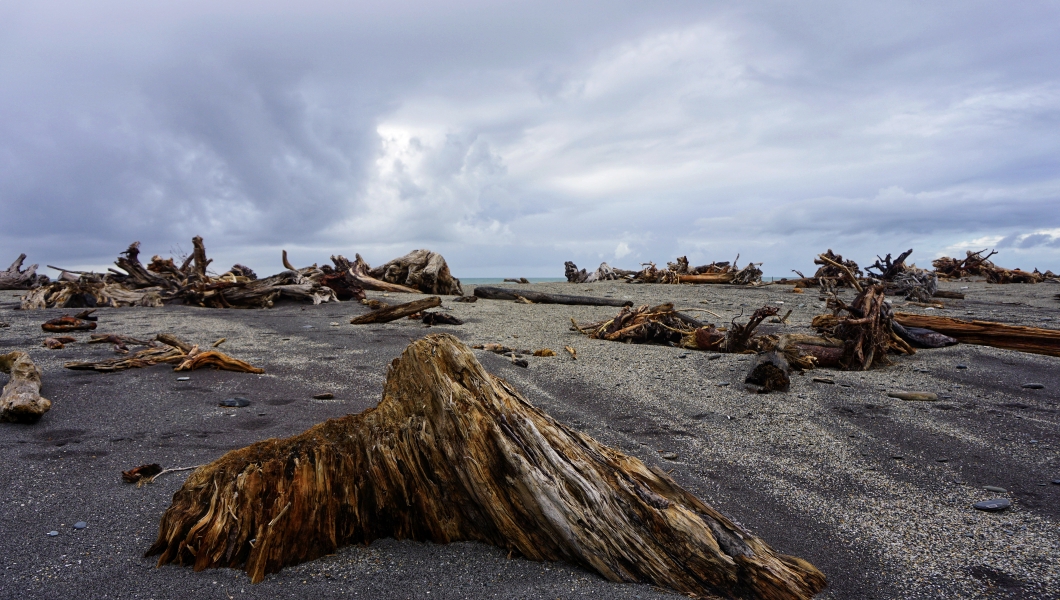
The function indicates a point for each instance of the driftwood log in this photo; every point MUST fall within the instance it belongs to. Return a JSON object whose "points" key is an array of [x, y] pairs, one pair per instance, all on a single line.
{"points": [[987, 333], [497, 293], [360, 272], [20, 401], [16, 278], [422, 270], [392, 313], [452, 453]]}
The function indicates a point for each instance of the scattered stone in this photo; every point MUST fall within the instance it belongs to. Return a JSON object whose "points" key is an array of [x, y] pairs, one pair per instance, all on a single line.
{"points": [[53, 533], [994, 488], [1056, 482], [898, 457], [824, 380], [324, 396], [183, 378], [914, 396], [668, 455], [723, 384], [236, 402], [80, 525], [714, 357], [1033, 386], [962, 366], [992, 505]]}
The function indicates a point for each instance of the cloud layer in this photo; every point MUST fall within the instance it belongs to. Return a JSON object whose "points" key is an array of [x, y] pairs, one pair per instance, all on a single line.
{"points": [[514, 136]]}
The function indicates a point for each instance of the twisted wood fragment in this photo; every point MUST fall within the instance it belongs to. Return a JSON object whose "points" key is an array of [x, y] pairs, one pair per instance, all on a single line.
{"points": [[453, 453], [20, 401]]}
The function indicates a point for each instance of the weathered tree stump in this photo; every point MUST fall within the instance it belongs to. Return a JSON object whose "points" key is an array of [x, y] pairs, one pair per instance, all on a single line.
{"points": [[423, 270], [452, 453], [21, 402]]}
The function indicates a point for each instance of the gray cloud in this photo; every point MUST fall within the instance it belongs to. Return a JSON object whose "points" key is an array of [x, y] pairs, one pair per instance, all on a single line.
{"points": [[513, 137]]}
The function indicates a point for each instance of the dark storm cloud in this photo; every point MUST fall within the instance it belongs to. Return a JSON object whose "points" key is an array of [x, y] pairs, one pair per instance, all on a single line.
{"points": [[517, 135]]}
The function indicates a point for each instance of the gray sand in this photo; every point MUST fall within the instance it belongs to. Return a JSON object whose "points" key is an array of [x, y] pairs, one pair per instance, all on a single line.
{"points": [[875, 491]]}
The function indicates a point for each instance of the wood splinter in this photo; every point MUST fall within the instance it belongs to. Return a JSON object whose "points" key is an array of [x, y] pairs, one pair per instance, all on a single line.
{"points": [[452, 453], [21, 402]]}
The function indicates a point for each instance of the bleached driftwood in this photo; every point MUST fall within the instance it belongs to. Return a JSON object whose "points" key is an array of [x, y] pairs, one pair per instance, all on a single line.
{"points": [[21, 402], [453, 453], [423, 270], [16, 278]]}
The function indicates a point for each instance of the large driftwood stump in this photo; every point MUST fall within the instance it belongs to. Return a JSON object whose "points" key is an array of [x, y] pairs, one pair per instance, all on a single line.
{"points": [[16, 278], [452, 453], [423, 270], [21, 401]]}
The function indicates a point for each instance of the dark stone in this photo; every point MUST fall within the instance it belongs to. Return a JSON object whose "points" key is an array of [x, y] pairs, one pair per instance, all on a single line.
{"points": [[80, 525], [236, 402], [994, 488], [1033, 386], [962, 366], [324, 396], [992, 505]]}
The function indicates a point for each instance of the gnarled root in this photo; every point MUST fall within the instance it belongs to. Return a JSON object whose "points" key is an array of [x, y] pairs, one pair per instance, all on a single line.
{"points": [[21, 402], [452, 453]]}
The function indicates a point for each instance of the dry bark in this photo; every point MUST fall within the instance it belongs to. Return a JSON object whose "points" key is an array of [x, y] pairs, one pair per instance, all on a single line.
{"points": [[16, 278], [452, 453], [497, 293], [423, 270], [20, 401], [392, 313], [987, 333]]}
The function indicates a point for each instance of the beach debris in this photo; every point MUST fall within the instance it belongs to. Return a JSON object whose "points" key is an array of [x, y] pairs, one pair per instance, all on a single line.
{"points": [[914, 396], [281, 502], [218, 342], [866, 329], [769, 372], [519, 280], [431, 318], [920, 337], [17, 278], [497, 293], [987, 333], [20, 400], [360, 273], [573, 353], [58, 343], [324, 396], [466, 299], [421, 270], [975, 264], [678, 271], [522, 300], [66, 323], [374, 304], [135, 474], [173, 350], [544, 352], [392, 313], [120, 342], [234, 402]]}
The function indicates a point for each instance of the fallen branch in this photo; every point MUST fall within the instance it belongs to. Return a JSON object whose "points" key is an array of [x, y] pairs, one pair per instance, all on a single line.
{"points": [[987, 333], [496, 293], [20, 401], [452, 453], [392, 313]]}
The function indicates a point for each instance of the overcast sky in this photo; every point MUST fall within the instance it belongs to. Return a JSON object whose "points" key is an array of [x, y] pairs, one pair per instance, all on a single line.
{"points": [[511, 136]]}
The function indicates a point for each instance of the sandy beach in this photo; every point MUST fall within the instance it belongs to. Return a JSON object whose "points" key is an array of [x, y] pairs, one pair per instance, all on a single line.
{"points": [[874, 491]]}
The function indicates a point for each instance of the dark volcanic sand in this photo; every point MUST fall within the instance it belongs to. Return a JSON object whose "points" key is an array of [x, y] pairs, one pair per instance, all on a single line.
{"points": [[814, 471]]}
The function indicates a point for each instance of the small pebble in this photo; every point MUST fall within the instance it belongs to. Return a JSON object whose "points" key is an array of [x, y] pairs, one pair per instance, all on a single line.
{"points": [[53, 533], [669, 455], [823, 380], [324, 396], [723, 384], [236, 402], [183, 378], [307, 327], [80, 525], [992, 505], [914, 396], [333, 324], [994, 488], [942, 460], [1056, 482], [1033, 386], [962, 366]]}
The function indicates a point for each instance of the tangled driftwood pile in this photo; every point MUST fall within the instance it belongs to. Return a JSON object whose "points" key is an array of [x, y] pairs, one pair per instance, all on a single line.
{"points": [[161, 281], [675, 272], [453, 453], [975, 264], [170, 350]]}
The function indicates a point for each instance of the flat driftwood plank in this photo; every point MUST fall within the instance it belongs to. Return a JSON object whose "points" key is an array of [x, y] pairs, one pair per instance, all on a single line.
{"points": [[392, 313], [987, 333], [452, 453], [496, 293]]}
